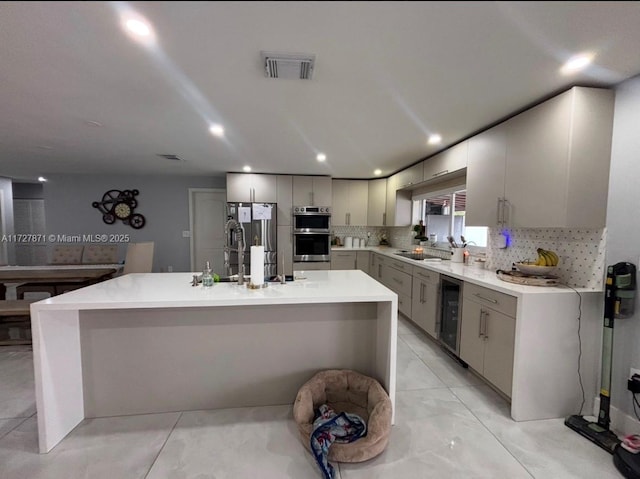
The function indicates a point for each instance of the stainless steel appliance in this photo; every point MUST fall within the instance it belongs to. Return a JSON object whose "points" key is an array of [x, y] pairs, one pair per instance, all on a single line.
{"points": [[450, 313], [312, 233], [259, 221]]}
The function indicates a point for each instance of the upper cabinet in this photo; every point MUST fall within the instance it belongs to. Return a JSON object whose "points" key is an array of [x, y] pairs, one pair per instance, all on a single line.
{"points": [[546, 167], [250, 187], [398, 206], [349, 202], [376, 211], [409, 176], [485, 177], [312, 190], [449, 161]]}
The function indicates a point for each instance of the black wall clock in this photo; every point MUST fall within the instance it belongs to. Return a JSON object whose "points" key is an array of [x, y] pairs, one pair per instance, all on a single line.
{"points": [[119, 205]]}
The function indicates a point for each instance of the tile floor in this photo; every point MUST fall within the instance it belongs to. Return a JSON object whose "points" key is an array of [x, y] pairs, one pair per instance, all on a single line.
{"points": [[448, 425]]}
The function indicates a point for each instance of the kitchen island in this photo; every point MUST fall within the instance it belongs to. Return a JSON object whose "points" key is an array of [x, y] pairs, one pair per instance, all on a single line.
{"points": [[150, 343]]}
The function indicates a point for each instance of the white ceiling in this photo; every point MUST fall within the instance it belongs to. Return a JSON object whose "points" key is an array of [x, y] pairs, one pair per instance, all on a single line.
{"points": [[387, 74]]}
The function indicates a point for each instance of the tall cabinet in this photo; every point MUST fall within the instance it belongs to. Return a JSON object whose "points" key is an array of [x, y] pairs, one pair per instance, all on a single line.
{"points": [[546, 167]]}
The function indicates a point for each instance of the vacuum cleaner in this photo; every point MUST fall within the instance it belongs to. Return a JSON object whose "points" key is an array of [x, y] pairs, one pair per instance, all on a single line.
{"points": [[619, 303]]}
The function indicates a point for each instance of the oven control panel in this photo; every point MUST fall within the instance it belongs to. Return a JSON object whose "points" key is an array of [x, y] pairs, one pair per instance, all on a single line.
{"points": [[301, 210]]}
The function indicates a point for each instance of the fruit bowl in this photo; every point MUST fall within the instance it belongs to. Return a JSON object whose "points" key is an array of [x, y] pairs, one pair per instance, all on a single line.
{"points": [[533, 269]]}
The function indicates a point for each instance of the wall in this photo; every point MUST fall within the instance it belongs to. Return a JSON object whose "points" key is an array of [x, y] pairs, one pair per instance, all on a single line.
{"points": [[163, 200], [623, 231], [7, 251]]}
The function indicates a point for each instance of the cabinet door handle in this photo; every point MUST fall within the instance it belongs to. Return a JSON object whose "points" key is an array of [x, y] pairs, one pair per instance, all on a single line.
{"points": [[422, 293], [440, 173], [379, 270], [485, 329], [506, 210], [311, 196], [494, 301], [480, 323], [384, 219], [498, 215]]}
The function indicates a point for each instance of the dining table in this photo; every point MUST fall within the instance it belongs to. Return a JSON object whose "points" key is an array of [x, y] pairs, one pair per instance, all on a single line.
{"points": [[78, 275]]}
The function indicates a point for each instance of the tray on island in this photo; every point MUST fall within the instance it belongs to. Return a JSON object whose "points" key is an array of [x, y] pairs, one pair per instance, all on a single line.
{"points": [[520, 278]]}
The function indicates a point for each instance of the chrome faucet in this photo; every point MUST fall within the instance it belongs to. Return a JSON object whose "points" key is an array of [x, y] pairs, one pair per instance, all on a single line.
{"points": [[234, 227]]}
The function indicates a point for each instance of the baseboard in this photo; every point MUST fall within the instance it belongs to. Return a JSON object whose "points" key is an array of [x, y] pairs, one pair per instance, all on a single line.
{"points": [[621, 423]]}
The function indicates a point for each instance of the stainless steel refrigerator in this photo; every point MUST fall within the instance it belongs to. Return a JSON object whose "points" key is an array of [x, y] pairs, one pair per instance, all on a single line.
{"points": [[259, 221]]}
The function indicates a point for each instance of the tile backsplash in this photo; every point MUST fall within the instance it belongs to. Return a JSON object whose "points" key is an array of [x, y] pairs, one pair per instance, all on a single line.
{"points": [[581, 251]]}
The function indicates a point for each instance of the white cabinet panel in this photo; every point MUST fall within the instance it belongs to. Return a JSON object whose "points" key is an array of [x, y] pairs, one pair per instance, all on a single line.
{"points": [[312, 191], [449, 161], [377, 202], [285, 249], [249, 187], [546, 167], [349, 203], [284, 199]]}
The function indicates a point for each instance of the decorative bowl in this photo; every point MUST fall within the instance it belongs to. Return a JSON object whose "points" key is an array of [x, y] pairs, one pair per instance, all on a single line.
{"points": [[534, 270]]}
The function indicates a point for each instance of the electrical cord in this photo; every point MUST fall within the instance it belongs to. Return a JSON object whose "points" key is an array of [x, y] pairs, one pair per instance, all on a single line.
{"points": [[580, 346]]}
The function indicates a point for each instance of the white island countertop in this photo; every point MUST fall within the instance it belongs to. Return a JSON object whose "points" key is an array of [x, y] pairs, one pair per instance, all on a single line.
{"points": [[482, 277], [152, 343], [174, 290]]}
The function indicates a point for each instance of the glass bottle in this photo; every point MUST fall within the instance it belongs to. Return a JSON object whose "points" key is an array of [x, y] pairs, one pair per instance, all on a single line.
{"points": [[207, 277]]}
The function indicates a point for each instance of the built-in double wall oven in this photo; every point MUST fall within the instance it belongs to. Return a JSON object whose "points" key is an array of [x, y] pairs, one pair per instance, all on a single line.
{"points": [[312, 233]]}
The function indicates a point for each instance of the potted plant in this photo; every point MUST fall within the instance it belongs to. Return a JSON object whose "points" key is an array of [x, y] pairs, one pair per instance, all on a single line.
{"points": [[419, 231]]}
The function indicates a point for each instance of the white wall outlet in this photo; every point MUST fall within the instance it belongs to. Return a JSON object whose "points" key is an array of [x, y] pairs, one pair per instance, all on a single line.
{"points": [[186, 234], [170, 269]]}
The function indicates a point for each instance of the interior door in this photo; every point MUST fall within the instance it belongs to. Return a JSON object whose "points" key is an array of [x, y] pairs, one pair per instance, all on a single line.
{"points": [[207, 209]]}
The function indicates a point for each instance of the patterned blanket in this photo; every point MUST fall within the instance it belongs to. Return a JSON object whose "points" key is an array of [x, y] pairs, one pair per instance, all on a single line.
{"points": [[330, 427]]}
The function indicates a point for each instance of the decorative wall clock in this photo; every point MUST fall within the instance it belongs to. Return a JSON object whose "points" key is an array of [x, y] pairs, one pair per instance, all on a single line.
{"points": [[119, 205]]}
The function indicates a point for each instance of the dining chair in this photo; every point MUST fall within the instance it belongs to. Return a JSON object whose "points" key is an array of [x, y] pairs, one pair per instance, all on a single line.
{"points": [[139, 258]]}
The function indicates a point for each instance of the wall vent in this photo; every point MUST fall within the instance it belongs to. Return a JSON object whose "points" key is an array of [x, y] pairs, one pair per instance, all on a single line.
{"points": [[169, 156], [288, 65]]}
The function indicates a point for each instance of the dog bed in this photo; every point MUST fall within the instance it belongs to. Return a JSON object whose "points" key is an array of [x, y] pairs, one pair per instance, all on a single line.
{"points": [[351, 392]]}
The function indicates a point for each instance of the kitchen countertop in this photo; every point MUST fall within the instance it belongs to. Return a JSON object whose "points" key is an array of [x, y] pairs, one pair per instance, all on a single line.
{"points": [[472, 274], [174, 290]]}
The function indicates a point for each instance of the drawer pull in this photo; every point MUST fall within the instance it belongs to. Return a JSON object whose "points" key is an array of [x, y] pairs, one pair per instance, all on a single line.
{"points": [[398, 281], [494, 301]]}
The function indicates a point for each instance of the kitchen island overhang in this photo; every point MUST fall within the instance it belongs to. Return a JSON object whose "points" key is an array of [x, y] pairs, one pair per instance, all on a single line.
{"points": [[146, 343]]}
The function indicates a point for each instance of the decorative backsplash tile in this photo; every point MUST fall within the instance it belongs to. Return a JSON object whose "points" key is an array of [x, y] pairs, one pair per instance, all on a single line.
{"points": [[581, 252]]}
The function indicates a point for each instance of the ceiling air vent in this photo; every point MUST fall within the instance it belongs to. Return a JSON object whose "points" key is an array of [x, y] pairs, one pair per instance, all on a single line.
{"points": [[170, 157], [288, 65]]}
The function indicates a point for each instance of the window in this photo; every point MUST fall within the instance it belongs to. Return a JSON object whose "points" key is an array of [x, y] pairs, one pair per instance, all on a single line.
{"points": [[443, 213]]}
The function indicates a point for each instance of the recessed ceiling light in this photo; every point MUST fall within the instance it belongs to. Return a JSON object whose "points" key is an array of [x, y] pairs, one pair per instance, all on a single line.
{"points": [[42, 179], [216, 130], [576, 63], [246, 168], [434, 139], [377, 172], [138, 27], [321, 157]]}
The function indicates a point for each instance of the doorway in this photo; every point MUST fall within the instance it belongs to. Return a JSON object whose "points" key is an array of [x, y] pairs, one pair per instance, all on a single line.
{"points": [[207, 217]]}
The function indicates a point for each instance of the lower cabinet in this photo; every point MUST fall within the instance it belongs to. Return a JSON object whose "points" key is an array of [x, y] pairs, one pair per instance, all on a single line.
{"points": [[343, 260], [400, 283], [487, 334], [362, 260], [424, 300]]}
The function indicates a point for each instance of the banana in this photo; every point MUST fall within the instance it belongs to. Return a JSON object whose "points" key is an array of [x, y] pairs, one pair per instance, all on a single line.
{"points": [[550, 257], [554, 257], [542, 260]]}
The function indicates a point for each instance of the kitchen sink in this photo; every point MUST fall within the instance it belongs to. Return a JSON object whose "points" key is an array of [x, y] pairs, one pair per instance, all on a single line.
{"points": [[416, 256]]}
